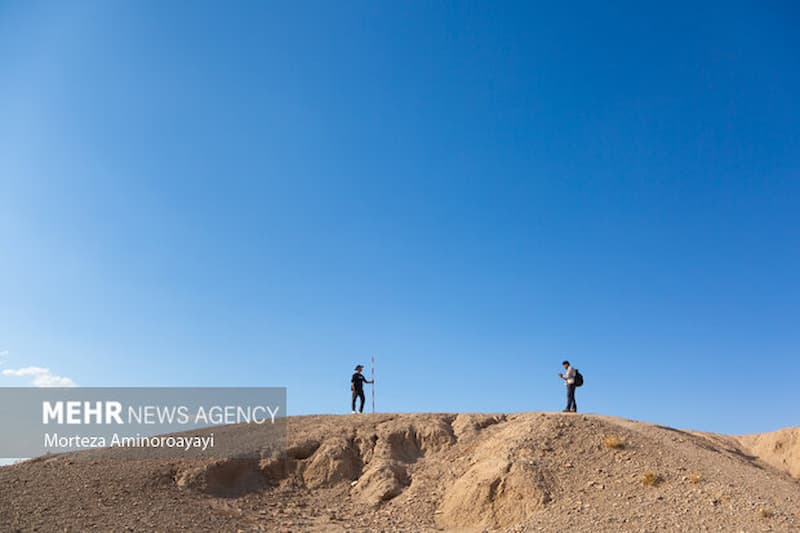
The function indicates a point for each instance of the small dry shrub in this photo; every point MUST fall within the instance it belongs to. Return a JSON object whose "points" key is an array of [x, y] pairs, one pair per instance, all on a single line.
{"points": [[652, 479], [695, 477], [613, 442], [763, 512]]}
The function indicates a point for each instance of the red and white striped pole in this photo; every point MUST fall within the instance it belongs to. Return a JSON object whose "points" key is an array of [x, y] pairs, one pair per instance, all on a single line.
{"points": [[373, 383]]}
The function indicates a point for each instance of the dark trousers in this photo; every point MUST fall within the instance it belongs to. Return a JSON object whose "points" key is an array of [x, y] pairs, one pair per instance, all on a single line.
{"points": [[571, 405], [358, 394]]}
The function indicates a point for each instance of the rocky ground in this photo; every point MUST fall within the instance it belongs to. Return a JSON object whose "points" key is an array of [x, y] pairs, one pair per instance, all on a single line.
{"points": [[428, 472]]}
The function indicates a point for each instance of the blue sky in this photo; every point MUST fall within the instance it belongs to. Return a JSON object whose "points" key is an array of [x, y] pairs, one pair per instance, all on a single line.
{"points": [[268, 193]]}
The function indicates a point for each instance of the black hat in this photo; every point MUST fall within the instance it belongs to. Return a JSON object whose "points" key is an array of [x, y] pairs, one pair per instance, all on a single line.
{"points": [[359, 367]]}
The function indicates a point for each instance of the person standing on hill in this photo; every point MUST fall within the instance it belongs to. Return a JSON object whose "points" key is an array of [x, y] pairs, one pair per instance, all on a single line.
{"points": [[569, 381], [357, 388]]}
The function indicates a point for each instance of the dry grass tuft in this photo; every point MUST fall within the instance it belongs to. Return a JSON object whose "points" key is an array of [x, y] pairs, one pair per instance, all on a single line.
{"points": [[613, 442], [652, 479], [763, 512], [695, 477]]}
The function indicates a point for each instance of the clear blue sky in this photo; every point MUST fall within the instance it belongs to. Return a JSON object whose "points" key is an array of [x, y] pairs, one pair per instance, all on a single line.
{"points": [[259, 193]]}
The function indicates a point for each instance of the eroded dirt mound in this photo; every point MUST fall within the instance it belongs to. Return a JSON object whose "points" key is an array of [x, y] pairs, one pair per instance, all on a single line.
{"points": [[225, 477], [780, 448], [503, 486], [428, 472], [494, 493], [336, 460]]}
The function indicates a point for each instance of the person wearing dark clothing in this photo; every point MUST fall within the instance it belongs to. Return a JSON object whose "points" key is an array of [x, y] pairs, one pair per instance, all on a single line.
{"points": [[357, 388], [569, 381]]}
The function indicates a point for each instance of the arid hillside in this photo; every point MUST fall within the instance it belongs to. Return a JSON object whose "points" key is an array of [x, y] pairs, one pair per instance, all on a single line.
{"points": [[780, 448], [428, 472]]}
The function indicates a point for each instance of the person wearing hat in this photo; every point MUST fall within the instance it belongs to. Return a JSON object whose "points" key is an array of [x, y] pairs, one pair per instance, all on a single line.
{"points": [[357, 388]]}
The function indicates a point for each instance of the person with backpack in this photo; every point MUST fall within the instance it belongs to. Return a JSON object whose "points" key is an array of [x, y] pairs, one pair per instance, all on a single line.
{"points": [[357, 388], [572, 379]]}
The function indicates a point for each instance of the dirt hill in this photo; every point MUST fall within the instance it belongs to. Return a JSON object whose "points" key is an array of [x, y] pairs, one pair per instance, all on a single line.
{"points": [[780, 448], [428, 472]]}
